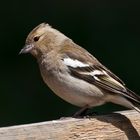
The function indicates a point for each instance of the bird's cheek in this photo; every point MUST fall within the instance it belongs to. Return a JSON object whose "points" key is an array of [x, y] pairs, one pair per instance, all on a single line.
{"points": [[34, 52]]}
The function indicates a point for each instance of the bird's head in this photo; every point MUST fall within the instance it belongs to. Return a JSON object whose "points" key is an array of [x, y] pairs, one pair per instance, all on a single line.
{"points": [[42, 39]]}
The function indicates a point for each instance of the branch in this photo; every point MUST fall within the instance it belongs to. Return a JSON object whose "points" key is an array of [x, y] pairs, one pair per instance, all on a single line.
{"points": [[123, 125]]}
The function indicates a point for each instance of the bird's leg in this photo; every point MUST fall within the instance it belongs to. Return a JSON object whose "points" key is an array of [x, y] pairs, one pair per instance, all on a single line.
{"points": [[82, 112]]}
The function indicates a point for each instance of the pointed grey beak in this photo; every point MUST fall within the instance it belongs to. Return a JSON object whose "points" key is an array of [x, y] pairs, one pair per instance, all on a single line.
{"points": [[26, 48]]}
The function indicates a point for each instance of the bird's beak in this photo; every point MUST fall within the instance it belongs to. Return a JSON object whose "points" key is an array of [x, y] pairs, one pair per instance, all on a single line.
{"points": [[27, 48]]}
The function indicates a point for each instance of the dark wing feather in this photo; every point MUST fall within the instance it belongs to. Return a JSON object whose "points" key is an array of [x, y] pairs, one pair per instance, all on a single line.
{"points": [[101, 67], [105, 81], [108, 81]]}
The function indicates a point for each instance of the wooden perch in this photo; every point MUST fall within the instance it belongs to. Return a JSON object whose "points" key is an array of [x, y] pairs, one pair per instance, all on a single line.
{"points": [[123, 125]]}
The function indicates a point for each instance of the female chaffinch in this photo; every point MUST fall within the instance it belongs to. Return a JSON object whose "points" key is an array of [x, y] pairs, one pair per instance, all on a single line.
{"points": [[74, 74]]}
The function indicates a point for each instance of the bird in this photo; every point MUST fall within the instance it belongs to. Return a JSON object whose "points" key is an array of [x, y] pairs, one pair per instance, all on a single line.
{"points": [[74, 74]]}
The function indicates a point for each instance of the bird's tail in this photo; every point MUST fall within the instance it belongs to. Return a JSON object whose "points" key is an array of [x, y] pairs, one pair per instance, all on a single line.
{"points": [[134, 99], [128, 99], [137, 108]]}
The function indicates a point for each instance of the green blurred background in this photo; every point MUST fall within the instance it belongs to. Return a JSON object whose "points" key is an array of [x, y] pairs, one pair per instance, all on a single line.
{"points": [[110, 30]]}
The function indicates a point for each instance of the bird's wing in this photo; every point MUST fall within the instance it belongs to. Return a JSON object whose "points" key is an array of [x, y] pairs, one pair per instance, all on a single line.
{"points": [[95, 73]]}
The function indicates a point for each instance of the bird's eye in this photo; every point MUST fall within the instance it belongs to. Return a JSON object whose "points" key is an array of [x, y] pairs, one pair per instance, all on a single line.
{"points": [[36, 38]]}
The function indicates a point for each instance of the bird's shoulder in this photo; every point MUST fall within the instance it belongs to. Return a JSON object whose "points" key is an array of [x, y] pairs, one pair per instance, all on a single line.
{"points": [[75, 52]]}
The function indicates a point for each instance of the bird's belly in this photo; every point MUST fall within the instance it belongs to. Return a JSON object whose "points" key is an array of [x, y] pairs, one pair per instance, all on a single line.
{"points": [[73, 97], [75, 91]]}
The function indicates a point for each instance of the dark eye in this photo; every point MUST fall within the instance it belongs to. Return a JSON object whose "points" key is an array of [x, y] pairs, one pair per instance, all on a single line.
{"points": [[36, 38]]}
